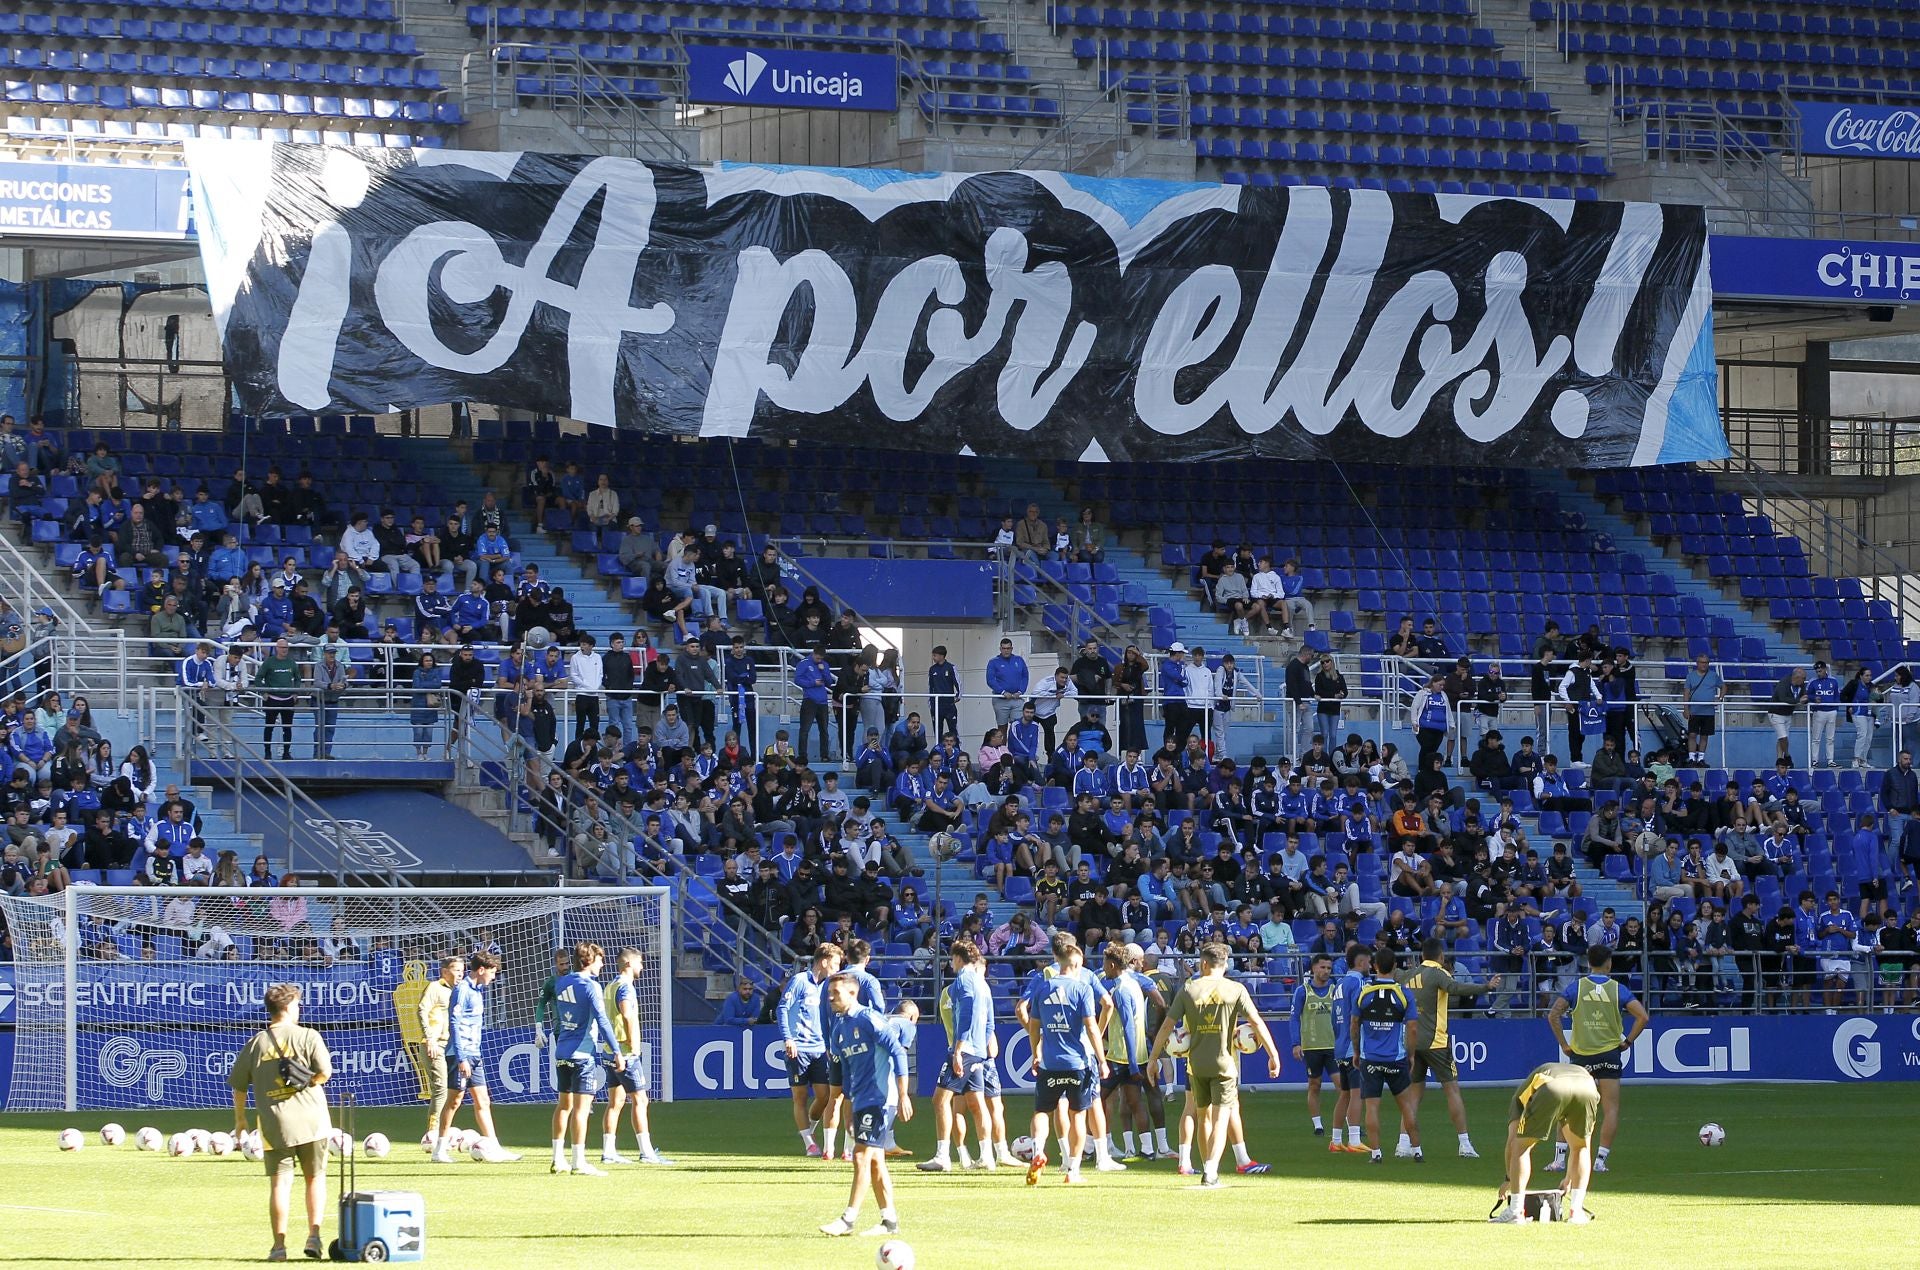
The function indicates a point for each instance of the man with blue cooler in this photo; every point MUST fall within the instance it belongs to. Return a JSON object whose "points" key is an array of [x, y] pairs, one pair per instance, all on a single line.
{"points": [[873, 1072]]}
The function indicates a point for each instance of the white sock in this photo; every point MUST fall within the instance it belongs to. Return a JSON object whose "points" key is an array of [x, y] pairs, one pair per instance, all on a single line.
{"points": [[1466, 1142], [1405, 1141], [1354, 1136], [559, 1151], [890, 1217], [806, 1137], [579, 1155], [1240, 1155], [1339, 1136], [1605, 1152], [1100, 1154], [609, 1144], [1316, 1124], [942, 1148], [966, 1158], [1560, 1153], [1186, 1155], [1040, 1144], [826, 1142], [849, 1215], [646, 1143], [1126, 1142], [1577, 1199], [1160, 1140]]}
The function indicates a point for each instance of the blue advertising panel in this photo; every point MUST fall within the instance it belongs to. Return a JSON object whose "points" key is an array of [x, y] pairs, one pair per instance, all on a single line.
{"points": [[94, 200], [811, 79], [1815, 269], [134, 993], [1862, 131]]}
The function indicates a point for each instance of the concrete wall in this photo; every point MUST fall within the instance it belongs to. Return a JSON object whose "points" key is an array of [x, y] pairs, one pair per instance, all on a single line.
{"points": [[1866, 187], [823, 138]]}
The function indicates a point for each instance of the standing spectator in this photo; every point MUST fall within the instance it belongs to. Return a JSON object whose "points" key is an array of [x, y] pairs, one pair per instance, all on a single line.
{"points": [[586, 671], [1092, 679], [1580, 692], [617, 680], [741, 675], [943, 693], [1200, 702], [700, 690], [428, 699], [1705, 689], [330, 678], [1430, 716], [279, 682], [814, 678], [1782, 705], [1823, 716], [1130, 686], [1177, 723], [1900, 799], [1860, 696], [1007, 679], [543, 488]]}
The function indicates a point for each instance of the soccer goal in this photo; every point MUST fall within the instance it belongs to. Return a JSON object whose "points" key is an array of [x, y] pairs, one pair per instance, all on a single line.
{"points": [[141, 997]]}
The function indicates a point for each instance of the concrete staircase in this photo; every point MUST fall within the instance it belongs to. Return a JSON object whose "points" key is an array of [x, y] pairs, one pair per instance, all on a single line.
{"points": [[1565, 82], [439, 28]]}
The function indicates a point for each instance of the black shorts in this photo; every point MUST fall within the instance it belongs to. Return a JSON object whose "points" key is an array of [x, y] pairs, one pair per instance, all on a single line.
{"points": [[807, 1069], [1120, 1076], [972, 1078], [833, 1072], [1345, 1074], [1378, 1077], [579, 1076], [1700, 724], [1320, 1063], [1077, 1087], [1606, 1065]]}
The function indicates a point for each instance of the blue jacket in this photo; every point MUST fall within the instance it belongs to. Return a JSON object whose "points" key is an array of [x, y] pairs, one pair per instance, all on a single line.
{"points": [[471, 610], [1024, 739], [1173, 680], [1007, 673], [943, 681], [226, 562], [815, 680]]}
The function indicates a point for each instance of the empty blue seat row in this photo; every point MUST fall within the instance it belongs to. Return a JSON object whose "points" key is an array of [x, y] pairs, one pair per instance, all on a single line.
{"points": [[158, 97], [511, 17], [13, 22], [1790, 22], [1278, 118], [200, 34], [154, 66], [1390, 156], [124, 131]]}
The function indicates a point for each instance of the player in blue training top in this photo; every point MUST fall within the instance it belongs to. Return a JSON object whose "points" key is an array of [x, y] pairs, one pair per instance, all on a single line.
{"points": [[803, 1032], [966, 1010], [873, 1072], [874, 997], [466, 1068], [1346, 1070], [1061, 1015], [1383, 1034], [1126, 1051], [580, 1028]]}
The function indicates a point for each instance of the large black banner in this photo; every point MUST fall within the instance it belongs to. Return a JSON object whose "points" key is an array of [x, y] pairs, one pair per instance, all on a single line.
{"points": [[1018, 313]]}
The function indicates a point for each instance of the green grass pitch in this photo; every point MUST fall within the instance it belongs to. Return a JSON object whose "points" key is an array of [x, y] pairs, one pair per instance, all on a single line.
{"points": [[1805, 1167]]}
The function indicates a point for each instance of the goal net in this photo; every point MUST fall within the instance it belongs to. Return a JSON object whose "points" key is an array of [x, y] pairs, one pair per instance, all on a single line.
{"points": [[142, 997]]}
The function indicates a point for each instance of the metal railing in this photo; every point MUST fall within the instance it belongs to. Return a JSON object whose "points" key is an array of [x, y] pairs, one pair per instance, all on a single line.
{"points": [[1863, 446], [583, 93], [1098, 135], [1757, 160]]}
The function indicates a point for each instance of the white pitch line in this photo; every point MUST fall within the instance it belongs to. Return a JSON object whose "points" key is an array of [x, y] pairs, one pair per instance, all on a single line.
{"points": [[1753, 1172], [36, 1208]]}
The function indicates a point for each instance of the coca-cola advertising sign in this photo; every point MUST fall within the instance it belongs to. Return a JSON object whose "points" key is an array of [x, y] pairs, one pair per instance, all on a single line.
{"points": [[1862, 131]]}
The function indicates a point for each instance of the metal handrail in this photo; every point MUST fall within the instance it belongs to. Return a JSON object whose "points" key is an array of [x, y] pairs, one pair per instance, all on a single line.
{"points": [[255, 776], [574, 88], [482, 744]]}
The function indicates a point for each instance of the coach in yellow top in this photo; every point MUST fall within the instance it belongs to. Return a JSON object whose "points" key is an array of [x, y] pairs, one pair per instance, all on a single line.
{"points": [[1434, 986]]}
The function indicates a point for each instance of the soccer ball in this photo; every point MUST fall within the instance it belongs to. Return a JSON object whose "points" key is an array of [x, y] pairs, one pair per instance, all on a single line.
{"points": [[469, 1139], [1712, 1135], [148, 1139], [477, 1149], [181, 1144], [252, 1148], [1245, 1039], [895, 1254], [536, 638], [72, 1139], [376, 1146], [426, 1142], [112, 1134], [220, 1144], [202, 1140], [1022, 1148], [340, 1142], [1179, 1043]]}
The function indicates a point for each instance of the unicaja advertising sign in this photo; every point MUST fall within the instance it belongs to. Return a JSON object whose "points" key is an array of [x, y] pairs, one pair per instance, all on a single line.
{"points": [[805, 79], [1873, 132]]}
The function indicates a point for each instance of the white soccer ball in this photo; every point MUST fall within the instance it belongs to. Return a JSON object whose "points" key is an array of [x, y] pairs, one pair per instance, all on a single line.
{"points": [[426, 1142], [112, 1134], [477, 1150], [1245, 1039], [1022, 1148], [181, 1144], [537, 638], [895, 1254], [469, 1139], [1179, 1043], [1712, 1135], [148, 1139], [340, 1143], [252, 1148], [376, 1146], [72, 1139], [220, 1144], [202, 1140]]}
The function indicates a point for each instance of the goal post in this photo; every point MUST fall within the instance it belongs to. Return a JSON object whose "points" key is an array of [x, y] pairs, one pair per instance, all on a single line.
{"points": [[129, 997]]}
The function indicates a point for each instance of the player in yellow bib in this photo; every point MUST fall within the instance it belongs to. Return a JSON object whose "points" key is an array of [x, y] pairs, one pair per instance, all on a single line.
{"points": [[627, 1082], [1598, 1006]]}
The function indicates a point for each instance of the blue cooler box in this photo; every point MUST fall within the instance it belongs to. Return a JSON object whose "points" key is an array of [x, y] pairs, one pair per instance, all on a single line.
{"points": [[382, 1226]]}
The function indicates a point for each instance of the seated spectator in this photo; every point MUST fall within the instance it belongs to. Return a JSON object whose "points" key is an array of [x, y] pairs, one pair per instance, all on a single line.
{"points": [[1552, 793], [603, 503], [1604, 837], [1032, 540], [1293, 602], [1231, 597], [744, 1004], [390, 541], [1089, 544]]}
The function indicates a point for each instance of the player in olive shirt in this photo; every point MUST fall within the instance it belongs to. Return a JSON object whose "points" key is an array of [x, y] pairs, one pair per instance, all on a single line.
{"points": [[1599, 1041], [434, 1030], [294, 1125], [1212, 1006], [1433, 986], [1559, 1096]]}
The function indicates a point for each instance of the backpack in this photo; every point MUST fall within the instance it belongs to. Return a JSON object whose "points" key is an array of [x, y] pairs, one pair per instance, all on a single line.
{"points": [[1382, 1003]]}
